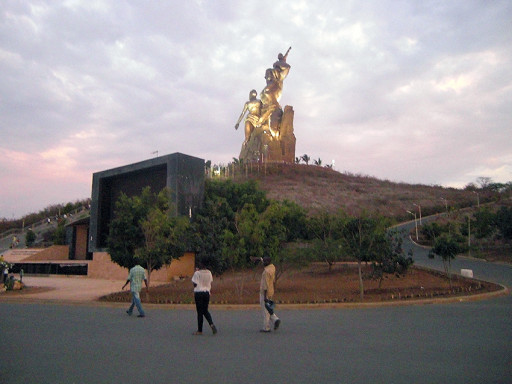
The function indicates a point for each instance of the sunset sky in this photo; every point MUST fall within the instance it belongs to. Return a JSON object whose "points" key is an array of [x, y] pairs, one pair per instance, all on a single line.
{"points": [[409, 91]]}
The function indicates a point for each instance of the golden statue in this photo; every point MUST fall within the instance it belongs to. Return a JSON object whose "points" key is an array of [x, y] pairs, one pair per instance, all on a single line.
{"points": [[263, 123], [253, 106]]}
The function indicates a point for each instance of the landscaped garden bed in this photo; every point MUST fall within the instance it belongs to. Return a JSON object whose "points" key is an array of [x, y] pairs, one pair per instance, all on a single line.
{"points": [[317, 284]]}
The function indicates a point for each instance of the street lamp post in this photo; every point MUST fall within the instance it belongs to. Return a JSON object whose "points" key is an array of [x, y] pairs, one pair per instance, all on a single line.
{"points": [[469, 234], [419, 209], [445, 204], [477, 199], [415, 223]]}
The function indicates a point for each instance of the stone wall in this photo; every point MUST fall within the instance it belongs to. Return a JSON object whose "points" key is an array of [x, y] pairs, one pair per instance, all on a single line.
{"points": [[102, 267], [55, 252]]}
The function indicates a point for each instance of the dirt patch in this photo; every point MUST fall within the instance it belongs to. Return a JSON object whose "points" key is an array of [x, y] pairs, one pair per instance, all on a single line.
{"points": [[318, 284], [27, 290]]}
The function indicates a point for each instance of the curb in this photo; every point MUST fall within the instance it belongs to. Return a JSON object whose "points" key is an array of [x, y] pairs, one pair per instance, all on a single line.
{"points": [[241, 307]]}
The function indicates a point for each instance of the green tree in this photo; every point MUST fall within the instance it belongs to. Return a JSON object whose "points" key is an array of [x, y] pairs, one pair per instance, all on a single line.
{"points": [[504, 222], [294, 220], [484, 224], [327, 231], [447, 247], [363, 239], [431, 231], [164, 237], [391, 258], [306, 159], [59, 235], [30, 238], [251, 235], [144, 231], [279, 224], [208, 233], [265, 234], [220, 237]]}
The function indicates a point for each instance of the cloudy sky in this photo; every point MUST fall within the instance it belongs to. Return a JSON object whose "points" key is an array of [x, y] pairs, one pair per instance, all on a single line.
{"points": [[411, 91]]}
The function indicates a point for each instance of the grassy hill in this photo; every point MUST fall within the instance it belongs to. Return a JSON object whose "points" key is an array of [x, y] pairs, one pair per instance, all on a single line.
{"points": [[319, 188]]}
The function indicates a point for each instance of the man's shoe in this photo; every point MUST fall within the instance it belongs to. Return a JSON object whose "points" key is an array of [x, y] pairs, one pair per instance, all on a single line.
{"points": [[265, 330], [129, 313], [276, 324], [214, 329], [141, 315]]}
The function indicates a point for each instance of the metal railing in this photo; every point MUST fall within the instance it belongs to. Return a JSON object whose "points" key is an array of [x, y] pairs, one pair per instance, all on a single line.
{"points": [[14, 231]]}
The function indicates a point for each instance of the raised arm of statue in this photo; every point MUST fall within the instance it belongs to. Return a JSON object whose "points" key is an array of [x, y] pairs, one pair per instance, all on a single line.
{"points": [[281, 67], [286, 54]]}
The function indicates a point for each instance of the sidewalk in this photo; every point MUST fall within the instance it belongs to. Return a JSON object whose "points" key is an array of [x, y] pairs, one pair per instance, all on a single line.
{"points": [[78, 289]]}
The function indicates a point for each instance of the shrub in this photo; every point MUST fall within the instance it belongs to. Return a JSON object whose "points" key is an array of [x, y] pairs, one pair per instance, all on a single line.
{"points": [[30, 238]]}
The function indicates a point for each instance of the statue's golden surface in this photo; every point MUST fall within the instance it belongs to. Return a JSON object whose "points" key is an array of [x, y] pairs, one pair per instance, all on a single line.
{"points": [[268, 130], [253, 106]]}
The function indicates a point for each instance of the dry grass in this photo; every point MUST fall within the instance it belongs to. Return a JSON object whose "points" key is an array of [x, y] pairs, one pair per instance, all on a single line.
{"points": [[317, 284], [318, 188]]}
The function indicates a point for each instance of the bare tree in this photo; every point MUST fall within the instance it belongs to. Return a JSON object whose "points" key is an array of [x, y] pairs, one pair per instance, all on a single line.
{"points": [[484, 181]]}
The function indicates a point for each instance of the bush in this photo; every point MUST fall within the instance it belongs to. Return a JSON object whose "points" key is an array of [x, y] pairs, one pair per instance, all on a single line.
{"points": [[504, 222], [30, 238], [431, 231]]}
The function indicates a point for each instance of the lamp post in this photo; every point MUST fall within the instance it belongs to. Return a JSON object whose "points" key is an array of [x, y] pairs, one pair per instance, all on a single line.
{"points": [[419, 208], [477, 199], [445, 204], [415, 223], [469, 234]]}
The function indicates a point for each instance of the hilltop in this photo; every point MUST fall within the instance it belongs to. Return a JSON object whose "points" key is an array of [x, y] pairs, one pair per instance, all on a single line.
{"points": [[319, 188]]}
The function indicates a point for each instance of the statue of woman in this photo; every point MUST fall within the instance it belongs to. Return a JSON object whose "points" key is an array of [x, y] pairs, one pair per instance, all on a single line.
{"points": [[253, 106]]}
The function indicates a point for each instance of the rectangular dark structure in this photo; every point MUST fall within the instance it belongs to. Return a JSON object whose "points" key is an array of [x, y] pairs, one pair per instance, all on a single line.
{"points": [[183, 174]]}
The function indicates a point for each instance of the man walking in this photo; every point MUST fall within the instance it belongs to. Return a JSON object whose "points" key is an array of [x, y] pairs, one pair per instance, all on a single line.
{"points": [[266, 294], [135, 278], [202, 281]]}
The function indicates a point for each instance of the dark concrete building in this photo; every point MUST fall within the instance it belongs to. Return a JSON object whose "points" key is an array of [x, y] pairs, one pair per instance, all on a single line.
{"points": [[183, 174]]}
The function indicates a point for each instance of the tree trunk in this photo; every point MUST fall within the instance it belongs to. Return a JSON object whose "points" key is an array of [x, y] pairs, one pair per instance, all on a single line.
{"points": [[361, 287]]}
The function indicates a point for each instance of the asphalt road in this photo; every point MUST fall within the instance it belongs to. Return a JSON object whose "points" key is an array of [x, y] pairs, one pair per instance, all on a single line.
{"points": [[466, 342]]}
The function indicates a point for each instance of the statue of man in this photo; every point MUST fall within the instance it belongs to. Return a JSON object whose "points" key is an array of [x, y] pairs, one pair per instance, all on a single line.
{"points": [[253, 106], [270, 95], [274, 77], [281, 68]]}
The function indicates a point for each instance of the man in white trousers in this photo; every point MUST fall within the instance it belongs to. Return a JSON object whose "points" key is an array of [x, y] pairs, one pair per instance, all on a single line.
{"points": [[266, 294]]}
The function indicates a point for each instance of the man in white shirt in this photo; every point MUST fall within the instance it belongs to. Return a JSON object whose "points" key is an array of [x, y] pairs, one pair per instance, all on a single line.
{"points": [[202, 281]]}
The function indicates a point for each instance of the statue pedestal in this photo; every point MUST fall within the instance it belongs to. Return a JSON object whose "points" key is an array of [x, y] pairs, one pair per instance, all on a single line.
{"points": [[263, 147]]}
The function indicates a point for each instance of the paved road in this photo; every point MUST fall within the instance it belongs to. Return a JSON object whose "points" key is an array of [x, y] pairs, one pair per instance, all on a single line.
{"points": [[467, 342]]}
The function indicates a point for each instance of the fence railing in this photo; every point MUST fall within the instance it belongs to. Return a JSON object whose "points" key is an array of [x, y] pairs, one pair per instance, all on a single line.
{"points": [[14, 231]]}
